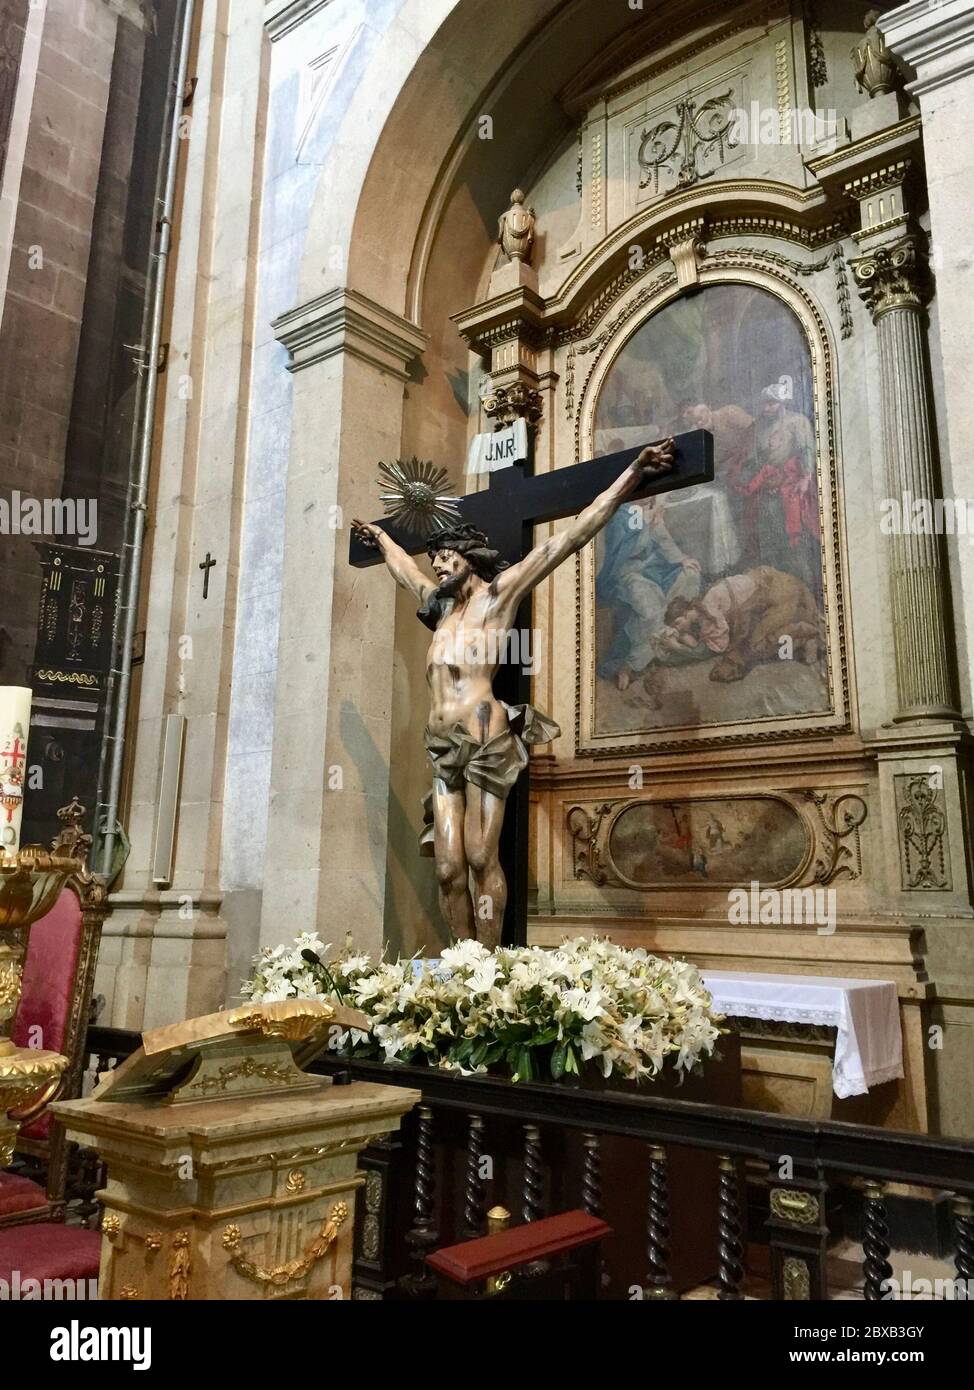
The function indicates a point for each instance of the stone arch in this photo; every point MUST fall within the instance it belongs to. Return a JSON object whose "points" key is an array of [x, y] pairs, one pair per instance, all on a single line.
{"points": [[401, 129]]}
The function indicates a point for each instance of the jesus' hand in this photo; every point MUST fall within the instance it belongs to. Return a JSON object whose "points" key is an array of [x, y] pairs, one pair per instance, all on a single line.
{"points": [[366, 532], [654, 459]]}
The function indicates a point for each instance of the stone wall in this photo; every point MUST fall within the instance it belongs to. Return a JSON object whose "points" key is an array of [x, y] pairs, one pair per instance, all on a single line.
{"points": [[42, 309]]}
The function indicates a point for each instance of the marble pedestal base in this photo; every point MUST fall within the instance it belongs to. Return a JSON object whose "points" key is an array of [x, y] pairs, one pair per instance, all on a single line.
{"points": [[234, 1198]]}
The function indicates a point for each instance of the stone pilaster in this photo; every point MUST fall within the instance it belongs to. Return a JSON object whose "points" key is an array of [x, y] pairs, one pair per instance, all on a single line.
{"points": [[329, 809]]}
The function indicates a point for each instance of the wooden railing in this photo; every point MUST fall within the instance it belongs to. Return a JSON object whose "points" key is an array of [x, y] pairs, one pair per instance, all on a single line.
{"points": [[686, 1187]]}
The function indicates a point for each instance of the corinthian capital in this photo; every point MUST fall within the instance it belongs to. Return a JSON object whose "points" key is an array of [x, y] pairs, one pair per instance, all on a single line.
{"points": [[891, 276]]}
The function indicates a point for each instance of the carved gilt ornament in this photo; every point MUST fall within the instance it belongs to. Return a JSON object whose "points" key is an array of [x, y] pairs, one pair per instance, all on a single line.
{"points": [[890, 277], [796, 1207], [285, 1274]]}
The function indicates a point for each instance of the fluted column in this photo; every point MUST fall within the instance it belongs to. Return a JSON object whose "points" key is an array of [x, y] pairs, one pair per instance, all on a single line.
{"points": [[889, 280]]}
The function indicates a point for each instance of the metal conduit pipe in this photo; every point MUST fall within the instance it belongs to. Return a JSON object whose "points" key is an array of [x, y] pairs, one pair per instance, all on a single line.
{"points": [[139, 486]]}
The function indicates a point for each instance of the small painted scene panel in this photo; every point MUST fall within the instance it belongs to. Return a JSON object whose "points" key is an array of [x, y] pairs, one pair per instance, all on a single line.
{"points": [[720, 842], [709, 601]]}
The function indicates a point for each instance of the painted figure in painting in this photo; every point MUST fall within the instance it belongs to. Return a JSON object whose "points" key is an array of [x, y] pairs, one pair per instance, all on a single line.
{"points": [[476, 744], [781, 500], [644, 570], [744, 620]]}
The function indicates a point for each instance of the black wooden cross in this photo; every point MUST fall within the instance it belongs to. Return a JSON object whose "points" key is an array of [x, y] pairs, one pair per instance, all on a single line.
{"points": [[206, 565], [508, 511]]}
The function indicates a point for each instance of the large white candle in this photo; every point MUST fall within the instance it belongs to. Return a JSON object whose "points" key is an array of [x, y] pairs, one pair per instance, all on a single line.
{"points": [[14, 728]]}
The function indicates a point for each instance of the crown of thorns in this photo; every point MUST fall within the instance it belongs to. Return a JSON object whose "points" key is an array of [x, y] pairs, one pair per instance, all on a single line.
{"points": [[470, 542]]}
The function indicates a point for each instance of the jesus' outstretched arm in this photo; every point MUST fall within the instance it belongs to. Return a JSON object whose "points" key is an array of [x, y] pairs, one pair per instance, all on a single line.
{"points": [[513, 584], [401, 566]]}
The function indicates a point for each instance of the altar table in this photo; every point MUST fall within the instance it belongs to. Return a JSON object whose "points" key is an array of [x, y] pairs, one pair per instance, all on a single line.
{"points": [[864, 1013]]}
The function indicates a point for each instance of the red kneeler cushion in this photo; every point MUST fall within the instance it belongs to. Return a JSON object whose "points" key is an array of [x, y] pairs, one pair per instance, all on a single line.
{"points": [[49, 1251], [49, 971], [19, 1194]]}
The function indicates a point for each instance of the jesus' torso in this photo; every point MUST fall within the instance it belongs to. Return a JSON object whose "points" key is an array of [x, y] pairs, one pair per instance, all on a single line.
{"points": [[467, 647]]}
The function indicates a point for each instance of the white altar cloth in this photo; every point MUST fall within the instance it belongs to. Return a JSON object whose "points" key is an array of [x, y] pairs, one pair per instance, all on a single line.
{"points": [[865, 1014]]}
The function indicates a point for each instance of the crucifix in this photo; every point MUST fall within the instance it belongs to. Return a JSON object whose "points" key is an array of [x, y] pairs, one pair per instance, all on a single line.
{"points": [[486, 567], [206, 565]]}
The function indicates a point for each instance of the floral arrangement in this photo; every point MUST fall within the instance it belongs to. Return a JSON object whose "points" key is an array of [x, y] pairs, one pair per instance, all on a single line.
{"points": [[528, 1010]]}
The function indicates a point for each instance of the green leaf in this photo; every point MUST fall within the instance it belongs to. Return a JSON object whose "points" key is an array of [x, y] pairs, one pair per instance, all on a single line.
{"points": [[525, 1066], [558, 1061], [571, 1061]]}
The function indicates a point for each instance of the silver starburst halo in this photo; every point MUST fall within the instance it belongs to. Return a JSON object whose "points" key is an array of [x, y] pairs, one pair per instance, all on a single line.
{"points": [[417, 495]]}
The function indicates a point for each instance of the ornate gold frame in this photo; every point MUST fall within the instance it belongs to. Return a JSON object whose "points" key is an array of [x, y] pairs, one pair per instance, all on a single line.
{"points": [[766, 270], [827, 825]]}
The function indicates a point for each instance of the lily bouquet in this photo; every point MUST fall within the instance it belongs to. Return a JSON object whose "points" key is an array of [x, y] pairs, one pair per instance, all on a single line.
{"points": [[529, 1011]]}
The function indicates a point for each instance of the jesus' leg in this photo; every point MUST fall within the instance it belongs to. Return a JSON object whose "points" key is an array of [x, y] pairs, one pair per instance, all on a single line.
{"points": [[451, 861], [481, 837]]}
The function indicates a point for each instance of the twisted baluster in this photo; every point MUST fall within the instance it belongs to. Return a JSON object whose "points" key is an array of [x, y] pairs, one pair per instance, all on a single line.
{"points": [[875, 1242], [659, 1284], [532, 1194], [592, 1175], [422, 1235], [964, 1258], [730, 1250], [532, 1190], [474, 1203]]}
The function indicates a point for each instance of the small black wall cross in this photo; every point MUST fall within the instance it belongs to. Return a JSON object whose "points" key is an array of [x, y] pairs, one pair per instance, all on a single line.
{"points": [[206, 565]]}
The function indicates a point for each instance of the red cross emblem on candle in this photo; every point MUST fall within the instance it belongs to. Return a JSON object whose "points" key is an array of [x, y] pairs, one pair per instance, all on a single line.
{"points": [[12, 778]]}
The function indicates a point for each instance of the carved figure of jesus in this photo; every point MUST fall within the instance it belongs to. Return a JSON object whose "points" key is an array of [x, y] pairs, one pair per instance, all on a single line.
{"points": [[477, 745]]}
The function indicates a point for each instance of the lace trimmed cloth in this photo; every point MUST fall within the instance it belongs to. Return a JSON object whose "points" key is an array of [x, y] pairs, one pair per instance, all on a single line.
{"points": [[864, 1013]]}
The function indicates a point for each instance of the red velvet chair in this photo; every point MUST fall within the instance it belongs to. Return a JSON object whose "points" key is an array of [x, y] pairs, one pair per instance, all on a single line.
{"points": [[49, 1253], [59, 972]]}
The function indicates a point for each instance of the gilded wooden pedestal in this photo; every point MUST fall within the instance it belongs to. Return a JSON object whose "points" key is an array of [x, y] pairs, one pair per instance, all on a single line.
{"points": [[232, 1173]]}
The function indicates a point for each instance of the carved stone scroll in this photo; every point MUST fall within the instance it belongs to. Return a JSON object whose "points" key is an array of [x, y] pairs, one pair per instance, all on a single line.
{"points": [[838, 848]]}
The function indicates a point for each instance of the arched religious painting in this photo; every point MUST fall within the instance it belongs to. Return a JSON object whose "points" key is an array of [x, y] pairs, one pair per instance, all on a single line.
{"points": [[706, 610]]}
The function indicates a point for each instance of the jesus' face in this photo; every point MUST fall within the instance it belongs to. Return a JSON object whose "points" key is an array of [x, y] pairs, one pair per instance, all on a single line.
{"points": [[450, 568]]}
